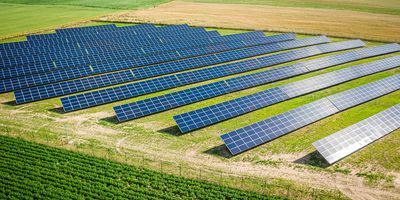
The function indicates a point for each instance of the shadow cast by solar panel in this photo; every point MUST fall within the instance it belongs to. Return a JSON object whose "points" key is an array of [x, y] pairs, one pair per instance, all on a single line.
{"points": [[172, 130], [314, 159], [58, 110], [112, 120], [220, 150], [10, 103]]}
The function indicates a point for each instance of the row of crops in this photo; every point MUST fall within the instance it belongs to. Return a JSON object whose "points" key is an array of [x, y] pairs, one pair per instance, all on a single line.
{"points": [[31, 171]]}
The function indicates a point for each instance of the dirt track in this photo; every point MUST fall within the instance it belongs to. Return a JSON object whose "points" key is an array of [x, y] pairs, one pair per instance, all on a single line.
{"points": [[301, 20]]}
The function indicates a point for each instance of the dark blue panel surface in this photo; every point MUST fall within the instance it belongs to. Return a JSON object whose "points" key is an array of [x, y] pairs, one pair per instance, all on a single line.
{"points": [[230, 89], [210, 73], [140, 73]]}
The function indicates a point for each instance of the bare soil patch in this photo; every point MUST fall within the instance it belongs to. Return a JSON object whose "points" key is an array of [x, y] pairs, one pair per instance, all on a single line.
{"points": [[339, 23]]}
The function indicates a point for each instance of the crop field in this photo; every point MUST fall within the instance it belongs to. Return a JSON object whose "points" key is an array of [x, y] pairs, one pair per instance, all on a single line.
{"points": [[73, 175], [371, 6], [93, 139], [341, 23]]}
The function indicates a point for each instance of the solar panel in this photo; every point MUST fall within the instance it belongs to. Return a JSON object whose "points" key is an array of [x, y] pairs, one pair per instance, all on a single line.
{"points": [[269, 129], [274, 59], [86, 28], [154, 70], [140, 27], [219, 112], [79, 56], [85, 37], [131, 34], [330, 79], [143, 108], [351, 139], [76, 49], [86, 42], [353, 97], [123, 37]]}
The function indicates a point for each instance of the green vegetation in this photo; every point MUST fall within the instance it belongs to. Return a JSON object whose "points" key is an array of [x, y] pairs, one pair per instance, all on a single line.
{"points": [[372, 6], [21, 19], [118, 4], [374, 178], [30, 170]]}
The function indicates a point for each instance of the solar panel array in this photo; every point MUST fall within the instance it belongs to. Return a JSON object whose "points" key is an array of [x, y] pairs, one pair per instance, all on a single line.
{"points": [[73, 73], [78, 59], [68, 62], [80, 56], [132, 60], [188, 96], [219, 112], [145, 35], [114, 43], [351, 139], [269, 129], [127, 91], [62, 33], [34, 43], [61, 88], [86, 28]]}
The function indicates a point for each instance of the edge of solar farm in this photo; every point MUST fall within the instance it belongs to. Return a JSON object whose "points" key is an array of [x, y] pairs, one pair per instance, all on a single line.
{"points": [[264, 131], [343, 143]]}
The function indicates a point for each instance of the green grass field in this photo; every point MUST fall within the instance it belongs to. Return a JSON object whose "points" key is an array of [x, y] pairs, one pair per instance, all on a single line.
{"points": [[372, 6], [22, 17], [18, 19]]}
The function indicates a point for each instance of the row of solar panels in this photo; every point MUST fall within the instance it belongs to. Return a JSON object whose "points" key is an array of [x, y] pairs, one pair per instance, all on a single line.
{"points": [[347, 141], [48, 73]]}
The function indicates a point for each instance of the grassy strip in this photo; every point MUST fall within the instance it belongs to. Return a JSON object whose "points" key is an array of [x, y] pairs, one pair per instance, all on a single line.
{"points": [[18, 20], [118, 4]]}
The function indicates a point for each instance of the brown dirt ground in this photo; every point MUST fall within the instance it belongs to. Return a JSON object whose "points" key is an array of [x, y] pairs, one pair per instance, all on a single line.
{"points": [[301, 20]]}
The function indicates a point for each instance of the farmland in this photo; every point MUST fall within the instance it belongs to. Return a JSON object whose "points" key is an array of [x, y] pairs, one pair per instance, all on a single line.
{"points": [[30, 170], [154, 142], [340, 23], [371, 6]]}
